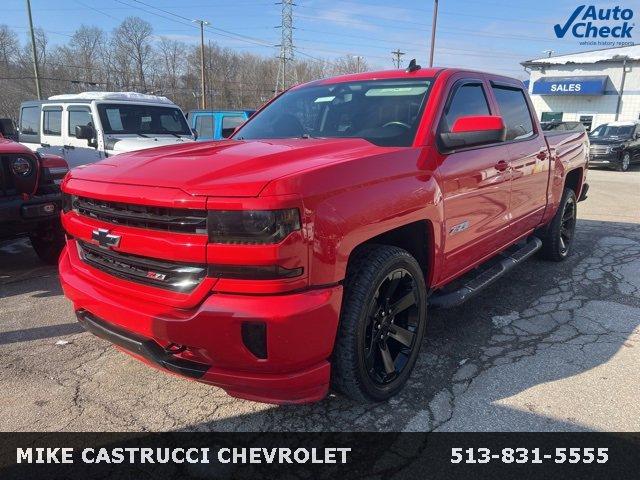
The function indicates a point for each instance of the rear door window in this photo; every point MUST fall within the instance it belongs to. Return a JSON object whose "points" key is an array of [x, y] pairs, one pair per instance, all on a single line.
{"points": [[467, 100], [52, 121], [204, 125], [515, 112]]}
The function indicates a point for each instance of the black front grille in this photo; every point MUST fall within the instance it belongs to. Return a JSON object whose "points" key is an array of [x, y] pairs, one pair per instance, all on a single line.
{"points": [[180, 220], [7, 183], [181, 277]]}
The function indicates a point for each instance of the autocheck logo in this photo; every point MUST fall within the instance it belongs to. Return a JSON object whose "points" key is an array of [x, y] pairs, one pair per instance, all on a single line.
{"points": [[587, 22]]}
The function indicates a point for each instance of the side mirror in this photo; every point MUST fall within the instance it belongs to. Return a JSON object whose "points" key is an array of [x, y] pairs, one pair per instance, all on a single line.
{"points": [[474, 130], [195, 133], [88, 133], [85, 132]]}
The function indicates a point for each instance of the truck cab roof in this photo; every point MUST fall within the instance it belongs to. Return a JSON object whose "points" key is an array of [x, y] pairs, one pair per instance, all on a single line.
{"points": [[402, 74]]}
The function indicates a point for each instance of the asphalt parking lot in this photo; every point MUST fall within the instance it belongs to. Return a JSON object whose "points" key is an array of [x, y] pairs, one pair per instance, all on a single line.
{"points": [[550, 347]]}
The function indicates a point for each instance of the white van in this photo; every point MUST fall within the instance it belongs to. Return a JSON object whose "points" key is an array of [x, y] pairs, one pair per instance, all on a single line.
{"points": [[87, 127]]}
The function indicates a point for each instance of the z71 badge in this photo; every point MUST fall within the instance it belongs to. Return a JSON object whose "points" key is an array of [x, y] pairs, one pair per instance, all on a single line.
{"points": [[461, 227]]}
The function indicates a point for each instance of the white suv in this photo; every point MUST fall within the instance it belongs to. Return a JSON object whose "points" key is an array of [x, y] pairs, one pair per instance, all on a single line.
{"points": [[87, 127]]}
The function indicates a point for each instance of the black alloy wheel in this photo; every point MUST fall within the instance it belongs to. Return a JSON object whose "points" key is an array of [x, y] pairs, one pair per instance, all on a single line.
{"points": [[557, 236], [390, 335], [568, 225], [382, 323]]}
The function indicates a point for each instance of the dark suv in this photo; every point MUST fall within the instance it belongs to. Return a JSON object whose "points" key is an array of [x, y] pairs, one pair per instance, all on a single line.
{"points": [[30, 198], [615, 145]]}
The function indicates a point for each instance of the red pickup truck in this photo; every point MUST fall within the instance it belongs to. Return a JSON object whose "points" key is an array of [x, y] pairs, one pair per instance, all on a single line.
{"points": [[305, 251]]}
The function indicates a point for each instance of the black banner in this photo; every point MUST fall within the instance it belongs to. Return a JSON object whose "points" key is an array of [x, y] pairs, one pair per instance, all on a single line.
{"points": [[318, 455]]}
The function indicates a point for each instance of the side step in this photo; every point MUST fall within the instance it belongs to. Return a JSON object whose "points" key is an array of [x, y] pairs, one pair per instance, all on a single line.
{"points": [[483, 279]]}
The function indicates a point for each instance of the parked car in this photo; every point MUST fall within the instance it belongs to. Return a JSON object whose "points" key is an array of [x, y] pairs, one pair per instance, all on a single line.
{"points": [[216, 124], [305, 251], [615, 145], [86, 127], [30, 198]]}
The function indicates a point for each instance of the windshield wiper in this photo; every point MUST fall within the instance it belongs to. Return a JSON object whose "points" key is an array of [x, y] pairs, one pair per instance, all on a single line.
{"points": [[142, 135]]}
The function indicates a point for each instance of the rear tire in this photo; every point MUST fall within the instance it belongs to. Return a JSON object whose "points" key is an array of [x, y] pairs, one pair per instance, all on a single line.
{"points": [[382, 324], [48, 243], [557, 238], [625, 161]]}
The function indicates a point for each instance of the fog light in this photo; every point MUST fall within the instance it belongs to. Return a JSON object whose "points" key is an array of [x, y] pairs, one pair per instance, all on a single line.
{"points": [[254, 337], [49, 208]]}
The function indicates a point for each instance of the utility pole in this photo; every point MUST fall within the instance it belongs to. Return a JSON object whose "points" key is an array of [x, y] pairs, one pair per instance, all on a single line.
{"points": [[398, 60], [621, 89], [433, 31], [287, 74], [34, 52], [203, 93]]}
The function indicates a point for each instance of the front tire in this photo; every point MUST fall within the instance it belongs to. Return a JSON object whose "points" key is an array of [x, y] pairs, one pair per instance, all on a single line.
{"points": [[625, 162], [48, 243], [557, 239], [382, 324]]}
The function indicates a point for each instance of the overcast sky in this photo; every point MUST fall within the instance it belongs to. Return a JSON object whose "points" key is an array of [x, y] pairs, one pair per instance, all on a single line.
{"points": [[494, 35]]}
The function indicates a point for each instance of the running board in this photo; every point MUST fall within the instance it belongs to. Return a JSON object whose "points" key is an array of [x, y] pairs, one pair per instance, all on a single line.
{"points": [[485, 278]]}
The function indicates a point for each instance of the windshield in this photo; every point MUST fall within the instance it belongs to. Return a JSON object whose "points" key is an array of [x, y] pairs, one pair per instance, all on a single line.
{"points": [[612, 131], [120, 119], [385, 113]]}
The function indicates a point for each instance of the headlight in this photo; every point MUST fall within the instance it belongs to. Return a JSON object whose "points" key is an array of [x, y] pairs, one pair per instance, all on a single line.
{"points": [[21, 167], [252, 226]]}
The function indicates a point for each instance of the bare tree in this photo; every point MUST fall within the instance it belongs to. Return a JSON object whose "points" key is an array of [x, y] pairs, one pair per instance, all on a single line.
{"points": [[131, 58], [9, 46], [132, 39]]}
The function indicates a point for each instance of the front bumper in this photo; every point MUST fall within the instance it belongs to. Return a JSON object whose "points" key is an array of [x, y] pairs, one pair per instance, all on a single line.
{"points": [[607, 159], [19, 216], [300, 333]]}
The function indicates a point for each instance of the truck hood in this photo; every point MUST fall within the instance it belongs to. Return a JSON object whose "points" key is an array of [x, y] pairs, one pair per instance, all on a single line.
{"points": [[229, 168], [117, 145]]}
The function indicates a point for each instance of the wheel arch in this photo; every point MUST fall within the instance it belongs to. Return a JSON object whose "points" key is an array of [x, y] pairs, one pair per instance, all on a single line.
{"points": [[416, 237], [574, 180]]}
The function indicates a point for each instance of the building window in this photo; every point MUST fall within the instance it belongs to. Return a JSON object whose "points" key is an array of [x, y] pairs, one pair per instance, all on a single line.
{"points": [[551, 117], [587, 121]]}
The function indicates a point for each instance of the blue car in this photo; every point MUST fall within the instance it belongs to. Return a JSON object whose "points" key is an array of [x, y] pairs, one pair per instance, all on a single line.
{"points": [[216, 124]]}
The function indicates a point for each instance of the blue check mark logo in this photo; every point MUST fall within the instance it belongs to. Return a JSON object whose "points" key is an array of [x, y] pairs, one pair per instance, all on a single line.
{"points": [[562, 30]]}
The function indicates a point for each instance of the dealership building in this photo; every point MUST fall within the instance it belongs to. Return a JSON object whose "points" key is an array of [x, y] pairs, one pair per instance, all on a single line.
{"points": [[592, 87]]}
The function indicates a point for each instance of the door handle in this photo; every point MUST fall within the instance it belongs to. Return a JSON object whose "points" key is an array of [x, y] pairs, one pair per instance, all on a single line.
{"points": [[541, 155], [502, 165], [70, 147], [45, 145]]}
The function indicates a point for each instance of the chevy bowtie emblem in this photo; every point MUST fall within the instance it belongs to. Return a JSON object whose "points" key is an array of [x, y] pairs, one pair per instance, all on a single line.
{"points": [[104, 238]]}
